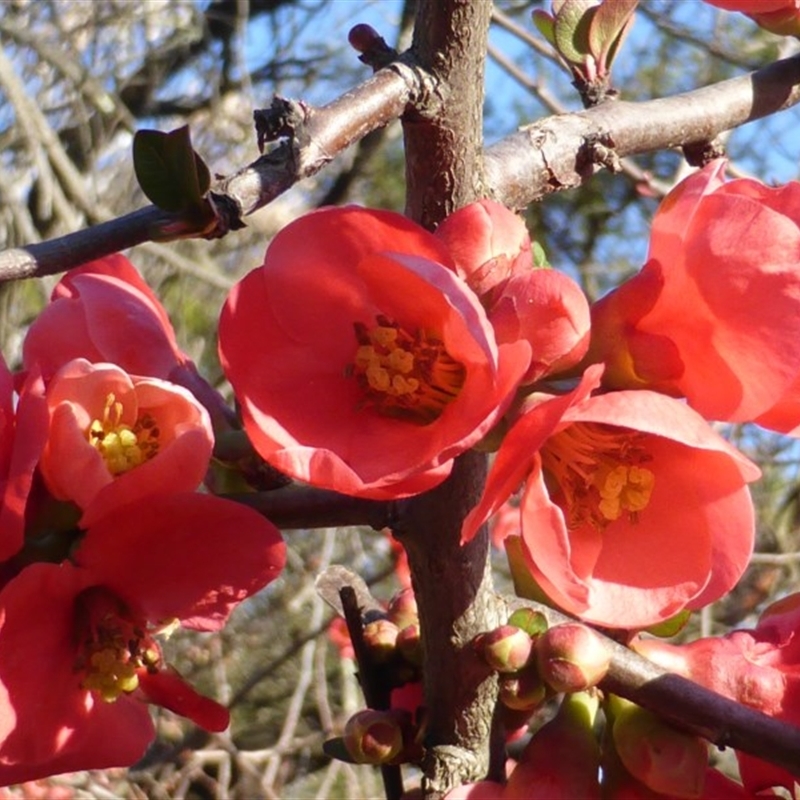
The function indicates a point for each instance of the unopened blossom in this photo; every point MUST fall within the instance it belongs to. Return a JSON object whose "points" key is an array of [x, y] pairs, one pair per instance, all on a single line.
{"points": [[633, 508], [488, 244], [759, 668], [714, 314], [361, 362], [114, 437], [79, 654], [491, 249]]}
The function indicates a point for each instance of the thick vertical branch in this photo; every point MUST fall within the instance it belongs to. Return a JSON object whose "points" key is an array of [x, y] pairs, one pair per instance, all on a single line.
{"points": [[453, 588], [443, 137], [443, 140]]}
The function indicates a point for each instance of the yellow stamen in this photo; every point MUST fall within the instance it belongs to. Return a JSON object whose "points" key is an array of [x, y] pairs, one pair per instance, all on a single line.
{"points": [[405, 376], [123, 447], [597, 474], [112, 646]]}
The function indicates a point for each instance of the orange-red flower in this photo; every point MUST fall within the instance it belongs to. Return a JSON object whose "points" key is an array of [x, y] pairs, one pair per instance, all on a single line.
{"points": [[114, 438], [492, 253], [633, 507], [714, 315], [78, 653], [361, 362], [104, 311], [759, 668], [778, 16], [23, 431]]}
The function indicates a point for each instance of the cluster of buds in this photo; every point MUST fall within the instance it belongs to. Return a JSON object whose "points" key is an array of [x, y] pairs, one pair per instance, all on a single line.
{"points": [[534, 660], [392, 642]]}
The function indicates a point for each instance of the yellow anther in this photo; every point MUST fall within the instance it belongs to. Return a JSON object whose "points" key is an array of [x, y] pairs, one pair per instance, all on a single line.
{"points": [[405, 376]]}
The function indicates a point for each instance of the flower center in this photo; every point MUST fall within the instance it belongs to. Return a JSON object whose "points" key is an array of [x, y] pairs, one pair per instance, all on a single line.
{"points": [[411, 377], [112, 647], [599, 474], [122, 446]]}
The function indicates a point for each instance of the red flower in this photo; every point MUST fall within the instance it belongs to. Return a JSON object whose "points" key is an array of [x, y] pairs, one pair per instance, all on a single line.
{"points": [[714, 315], [492, 253], [778, 16], [759, 668], [633, 508], [549, 310], [104, 311], [116, 438], [361, 362], [488, 244], [23, 433], [77, 653]]}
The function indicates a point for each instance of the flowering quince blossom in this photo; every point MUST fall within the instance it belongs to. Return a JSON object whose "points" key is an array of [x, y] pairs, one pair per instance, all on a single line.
{"points": [[23, 432], [104, 311], [714, 315], [545, 307], [759, 668], [362, 363], [778, 16], [114, 438], [633, 507], [77, 650]]}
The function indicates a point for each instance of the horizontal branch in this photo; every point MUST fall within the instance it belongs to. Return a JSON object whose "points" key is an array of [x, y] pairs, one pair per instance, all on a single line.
{"points": [[297, 506], [692, 707], [556, 153]]}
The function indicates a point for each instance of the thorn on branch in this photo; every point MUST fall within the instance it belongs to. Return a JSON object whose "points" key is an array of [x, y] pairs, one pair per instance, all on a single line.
{"points": [[374, 51], [698, 154], [284, 118]]}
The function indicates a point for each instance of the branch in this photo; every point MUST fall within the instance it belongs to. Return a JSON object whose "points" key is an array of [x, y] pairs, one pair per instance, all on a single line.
{"points": [[545, 157], [321, 134], [306, 507], [689, 706], [554, 154]]}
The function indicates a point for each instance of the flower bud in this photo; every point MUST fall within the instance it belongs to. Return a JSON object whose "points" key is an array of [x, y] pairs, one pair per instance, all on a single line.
{"points": [[666, 760], [505, 649], [410, 645], [373, 737], [524, 690], [572, 657], [380, 638], [403, 609]]}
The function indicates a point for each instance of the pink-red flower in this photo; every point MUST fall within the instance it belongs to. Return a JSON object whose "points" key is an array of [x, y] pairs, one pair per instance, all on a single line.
{"points": [[714, 315], [759, 668], [361, 362], [114, 438], [78, 654], [104, 312], [633, 507], [492, 253], [23, 431], [778, 16]]}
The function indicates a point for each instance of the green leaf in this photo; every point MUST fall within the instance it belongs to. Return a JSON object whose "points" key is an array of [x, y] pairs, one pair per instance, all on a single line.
{"points": [[539, 256], [544, 22], [169, 171], [609, 27], [572, 29]]}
